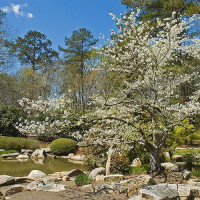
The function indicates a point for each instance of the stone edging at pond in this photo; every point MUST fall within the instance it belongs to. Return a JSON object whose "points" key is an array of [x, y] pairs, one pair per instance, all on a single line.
{"points": [[58, 181], [40, 154]]}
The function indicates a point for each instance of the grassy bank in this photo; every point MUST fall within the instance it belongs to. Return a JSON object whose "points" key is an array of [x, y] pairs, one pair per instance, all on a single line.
{"points": [[16, 143]]}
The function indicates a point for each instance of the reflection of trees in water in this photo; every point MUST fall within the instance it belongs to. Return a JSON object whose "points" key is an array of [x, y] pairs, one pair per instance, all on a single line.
{"points": [[17, 168], [63, 165]]}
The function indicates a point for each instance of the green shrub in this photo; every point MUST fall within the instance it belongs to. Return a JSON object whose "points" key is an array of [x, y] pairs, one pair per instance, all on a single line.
{"points": [[120, 164], [190, 160], [15, 143], [63, 146], [139, 170], [83, 179], [9, 115]]}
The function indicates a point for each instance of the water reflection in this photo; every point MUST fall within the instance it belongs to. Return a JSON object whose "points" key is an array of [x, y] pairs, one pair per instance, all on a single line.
{"points": [[48, 165]]}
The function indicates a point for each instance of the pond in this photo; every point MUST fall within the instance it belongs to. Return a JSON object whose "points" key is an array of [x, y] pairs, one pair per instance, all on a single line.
{"points": [[18, 168]]}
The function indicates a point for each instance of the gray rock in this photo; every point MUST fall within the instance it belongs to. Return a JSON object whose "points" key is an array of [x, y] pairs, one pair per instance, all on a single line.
{"points": [[159, 192], [47, 149], [136, 163], [38, 154], [26, 151], [35, 174], [22, 156], [75, 172], [168, 165], [78, 157], [10, 155], [1, 150], [70, 155], [113, 177], [22, 179], [177, 157], [138, 182], [49, 180], [105, 188], [15, 189], [119, 188], [34, 185], [97, 171], [166, 155], [88, 188], [6, 180], [186, 174], [51, 188]]}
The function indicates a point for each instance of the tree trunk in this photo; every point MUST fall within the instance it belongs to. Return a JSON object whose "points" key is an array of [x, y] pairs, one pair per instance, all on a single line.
{"points": [[108, 162], [154, 160]]}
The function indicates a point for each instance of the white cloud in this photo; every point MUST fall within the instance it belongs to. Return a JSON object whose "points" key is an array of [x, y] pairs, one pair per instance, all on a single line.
{"points": [[17, 9], [5, 9], [30, 15]]}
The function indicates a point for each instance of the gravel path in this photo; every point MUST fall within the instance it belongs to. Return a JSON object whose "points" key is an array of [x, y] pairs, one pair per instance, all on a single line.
{"points": [[66, 195]]}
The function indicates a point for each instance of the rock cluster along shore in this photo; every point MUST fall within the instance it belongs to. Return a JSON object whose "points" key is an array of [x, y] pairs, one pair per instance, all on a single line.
{"points": [[140, 187], [41, 154]]}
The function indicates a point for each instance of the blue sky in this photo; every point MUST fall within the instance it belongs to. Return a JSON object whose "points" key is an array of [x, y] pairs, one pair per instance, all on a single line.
{"points": [[58, 18]]}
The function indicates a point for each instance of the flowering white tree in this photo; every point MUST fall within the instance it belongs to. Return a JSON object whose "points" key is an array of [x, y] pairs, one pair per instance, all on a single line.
{"points": [[148, 106], [49, 117]]}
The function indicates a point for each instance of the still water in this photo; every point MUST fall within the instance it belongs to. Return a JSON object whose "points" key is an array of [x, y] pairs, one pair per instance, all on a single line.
{"points": [[48, 166]]}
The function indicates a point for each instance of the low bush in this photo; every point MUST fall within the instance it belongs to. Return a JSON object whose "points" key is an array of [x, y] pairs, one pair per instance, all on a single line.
{"points": [[15, 143], [63, 146], [83, 179]]}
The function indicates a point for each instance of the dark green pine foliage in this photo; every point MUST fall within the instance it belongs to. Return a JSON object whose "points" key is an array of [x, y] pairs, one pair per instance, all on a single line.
{"points": [[34, 49]]}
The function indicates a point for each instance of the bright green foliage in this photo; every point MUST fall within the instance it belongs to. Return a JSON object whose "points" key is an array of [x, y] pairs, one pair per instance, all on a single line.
{"points": [[6, 152], [9, 115], [181, 134], [34, 50], [195, 135], [82, 179], [15, 143], [63, 146], [139, 170]]}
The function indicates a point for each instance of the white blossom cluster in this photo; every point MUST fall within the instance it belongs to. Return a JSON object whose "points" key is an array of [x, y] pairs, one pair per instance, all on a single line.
{"points": [[48, 117], [148, 106]]}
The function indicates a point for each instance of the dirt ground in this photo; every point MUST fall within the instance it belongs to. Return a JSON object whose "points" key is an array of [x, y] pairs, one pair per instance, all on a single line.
{"points": [[65, 195]]}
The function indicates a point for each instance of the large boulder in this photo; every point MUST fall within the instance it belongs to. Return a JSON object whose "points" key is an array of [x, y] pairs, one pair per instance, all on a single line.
{"points": [[6, 180], [38, 154], [97, 171], [136, 163], [35, 174], [157, 192]]}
